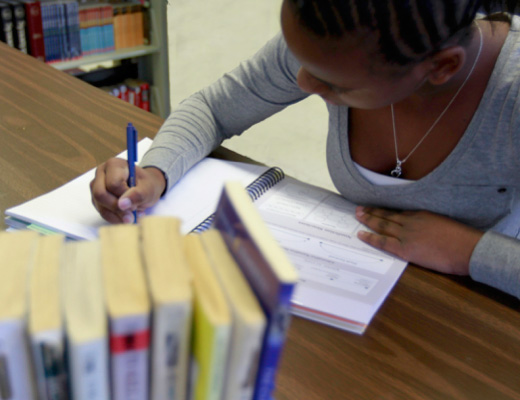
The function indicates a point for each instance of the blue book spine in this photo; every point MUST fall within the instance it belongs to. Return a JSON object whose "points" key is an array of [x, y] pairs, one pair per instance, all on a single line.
{"points": [[83, 39], [274, 295], [54, 32], [68, 10], [111, 42], [73, 30], [46, 30], [274, 340], [62, 32]]}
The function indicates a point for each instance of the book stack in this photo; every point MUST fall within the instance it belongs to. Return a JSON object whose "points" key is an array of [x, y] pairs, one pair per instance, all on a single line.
{"points": [[128, 25], [133, 91], [60, 24], [96, 28], [145, 312], [61, 30]]}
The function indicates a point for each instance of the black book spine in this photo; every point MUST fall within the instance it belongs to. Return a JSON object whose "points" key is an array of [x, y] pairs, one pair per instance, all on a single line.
{"points": [[19, 25], [6, 24]]}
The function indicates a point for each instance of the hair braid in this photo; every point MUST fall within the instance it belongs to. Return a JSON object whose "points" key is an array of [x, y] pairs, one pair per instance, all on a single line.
{"points": [[407, 30]]}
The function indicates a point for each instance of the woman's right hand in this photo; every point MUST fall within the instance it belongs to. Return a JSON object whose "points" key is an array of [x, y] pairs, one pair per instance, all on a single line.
{"points": [[115, 200]]}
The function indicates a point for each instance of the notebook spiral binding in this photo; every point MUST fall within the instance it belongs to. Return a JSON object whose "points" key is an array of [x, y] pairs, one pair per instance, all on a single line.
{"points": [[255, 190]]}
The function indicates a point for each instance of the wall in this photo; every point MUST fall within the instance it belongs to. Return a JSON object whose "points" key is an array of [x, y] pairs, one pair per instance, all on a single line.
{"points": [[215, 36]]}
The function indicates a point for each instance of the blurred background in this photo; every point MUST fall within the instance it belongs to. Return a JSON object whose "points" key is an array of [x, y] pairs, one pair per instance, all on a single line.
{"points": [[214, 36]]}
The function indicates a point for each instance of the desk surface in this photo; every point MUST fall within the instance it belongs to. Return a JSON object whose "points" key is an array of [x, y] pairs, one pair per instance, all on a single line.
{"points": [[435, 337]]}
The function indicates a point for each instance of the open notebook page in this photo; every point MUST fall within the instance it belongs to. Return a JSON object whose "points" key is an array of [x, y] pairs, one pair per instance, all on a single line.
{"points": [[69, 210]]}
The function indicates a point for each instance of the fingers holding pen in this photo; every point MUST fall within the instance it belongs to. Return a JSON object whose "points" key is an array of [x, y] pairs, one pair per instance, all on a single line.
{"points": [[108, 185], [115, 200], [150, 184]]}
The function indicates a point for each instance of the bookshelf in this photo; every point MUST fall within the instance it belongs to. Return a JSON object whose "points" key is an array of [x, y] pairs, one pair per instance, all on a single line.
{"points": [[151, 59]]}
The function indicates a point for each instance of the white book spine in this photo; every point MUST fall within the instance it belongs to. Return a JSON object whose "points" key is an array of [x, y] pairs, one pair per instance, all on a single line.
{"points": [[88, 365], [244, 356], [16, 375], [170, 351], [129, 349], [49, 364]]}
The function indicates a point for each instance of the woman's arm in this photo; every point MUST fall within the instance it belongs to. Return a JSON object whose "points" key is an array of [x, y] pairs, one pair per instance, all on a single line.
{"points": [[255, 90]]}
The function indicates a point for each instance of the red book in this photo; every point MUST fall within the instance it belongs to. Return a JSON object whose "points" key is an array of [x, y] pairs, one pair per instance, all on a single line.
{"points": [[33, 17], [134, 89], [145, 96]]}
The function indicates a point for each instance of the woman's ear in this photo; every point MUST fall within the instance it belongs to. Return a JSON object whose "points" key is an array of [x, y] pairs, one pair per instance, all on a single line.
{"points": [[445, 64]]}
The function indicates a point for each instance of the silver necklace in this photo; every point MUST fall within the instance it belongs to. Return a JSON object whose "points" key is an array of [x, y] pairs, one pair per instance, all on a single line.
{"points": [[397, 171]]}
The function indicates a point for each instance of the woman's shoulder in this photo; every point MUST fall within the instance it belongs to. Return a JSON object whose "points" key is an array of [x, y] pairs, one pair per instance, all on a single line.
{"points": [[506, 71]]}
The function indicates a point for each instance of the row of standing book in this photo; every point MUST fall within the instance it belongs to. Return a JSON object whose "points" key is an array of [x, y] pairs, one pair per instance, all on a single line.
{"points": [[145, 311], [61, 30], [133, 91]]}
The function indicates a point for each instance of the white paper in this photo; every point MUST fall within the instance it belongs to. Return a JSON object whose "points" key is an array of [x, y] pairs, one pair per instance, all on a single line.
{"points": [[69, 210], [339, 275]]}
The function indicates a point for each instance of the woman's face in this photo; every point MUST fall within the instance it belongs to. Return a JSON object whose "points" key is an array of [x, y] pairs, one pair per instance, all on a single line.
{"points": [[339, 70]]}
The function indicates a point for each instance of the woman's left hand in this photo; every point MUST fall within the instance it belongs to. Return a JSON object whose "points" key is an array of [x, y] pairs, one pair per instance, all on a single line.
{"points": [[420, 237]]}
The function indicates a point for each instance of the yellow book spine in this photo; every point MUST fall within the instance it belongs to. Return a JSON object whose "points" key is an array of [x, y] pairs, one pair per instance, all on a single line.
{"points": [[210, 348]]}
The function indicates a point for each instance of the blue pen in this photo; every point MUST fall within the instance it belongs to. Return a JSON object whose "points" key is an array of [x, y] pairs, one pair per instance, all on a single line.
{"points": [[131, 144]]}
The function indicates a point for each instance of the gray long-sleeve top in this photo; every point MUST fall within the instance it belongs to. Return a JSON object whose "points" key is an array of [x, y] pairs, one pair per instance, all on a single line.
{"points": [[477, 184]]}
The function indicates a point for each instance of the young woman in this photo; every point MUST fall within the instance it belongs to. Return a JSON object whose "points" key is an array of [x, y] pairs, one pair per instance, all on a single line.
{"points": [[424, 127]]}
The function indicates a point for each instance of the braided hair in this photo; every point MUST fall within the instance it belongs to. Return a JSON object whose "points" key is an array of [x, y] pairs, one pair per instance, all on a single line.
{"points": [[407, 30]]}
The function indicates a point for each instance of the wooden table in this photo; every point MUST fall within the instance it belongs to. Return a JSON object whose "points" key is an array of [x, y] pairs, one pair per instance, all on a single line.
{"points": [[435, 337]]}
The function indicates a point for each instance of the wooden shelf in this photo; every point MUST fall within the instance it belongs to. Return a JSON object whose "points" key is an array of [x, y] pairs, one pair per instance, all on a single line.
{"points": [[139, 51]]}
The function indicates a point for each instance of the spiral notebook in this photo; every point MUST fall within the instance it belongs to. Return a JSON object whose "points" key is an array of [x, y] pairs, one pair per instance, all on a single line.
{"points": [[255, 189]]}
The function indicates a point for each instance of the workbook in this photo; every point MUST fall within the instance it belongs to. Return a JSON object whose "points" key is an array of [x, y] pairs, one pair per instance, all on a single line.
{"points": [[343, 281]]}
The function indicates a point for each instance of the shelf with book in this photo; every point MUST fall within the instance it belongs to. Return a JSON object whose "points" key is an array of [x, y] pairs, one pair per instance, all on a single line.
{"points": [[151, 57], [71, 34], [123, 54]]}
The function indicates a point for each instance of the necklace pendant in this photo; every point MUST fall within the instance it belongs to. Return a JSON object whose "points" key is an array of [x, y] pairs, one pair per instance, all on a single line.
{"points": [[396, 172]]}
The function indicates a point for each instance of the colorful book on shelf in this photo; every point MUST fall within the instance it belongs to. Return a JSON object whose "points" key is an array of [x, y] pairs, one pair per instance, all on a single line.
{"points": [[267, 269], [6, 24], [18, 252], [248, 320], [72, 31], [85, 320], [19, 24], [117, 22], [96, 23], [345, 289], [128, 307], [169, 281], [137, 30], [45, 322], [107, 28], [34, 28], [128, 20]]}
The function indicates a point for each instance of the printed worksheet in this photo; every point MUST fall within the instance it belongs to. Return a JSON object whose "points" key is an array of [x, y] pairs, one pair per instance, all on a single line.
{"points": [[339, 274]]}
